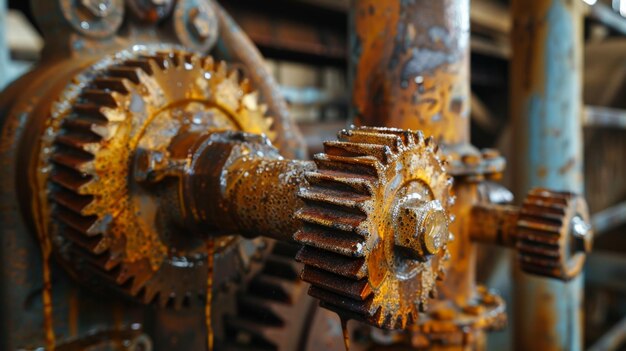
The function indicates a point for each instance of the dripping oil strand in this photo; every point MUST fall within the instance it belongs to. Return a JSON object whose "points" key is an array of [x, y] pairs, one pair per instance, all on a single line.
{"points": [[346, 333], [47, 300], [209, 293]]}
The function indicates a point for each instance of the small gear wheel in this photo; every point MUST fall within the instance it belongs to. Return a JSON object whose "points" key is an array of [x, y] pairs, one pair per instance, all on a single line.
{"points": [[108, 226], [376, 223], [553, 234]]}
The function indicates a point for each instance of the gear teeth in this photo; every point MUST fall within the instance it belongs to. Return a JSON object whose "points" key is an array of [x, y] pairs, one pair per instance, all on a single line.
{"points": [[340, 303], [337, 198], [208, 64], [348, 149], [366, 168], [340, 182], [100, 97], [267, 306], [72, 181], [349, 267], [394, 142], [342, 243], [246, 87], [76, 203], [90, 125], [78, 161], [87, 142], [111, 84], [331, 218], [541, 234], [87, 134], [129, 73], [357, 290], [339, 208], [94, 245], [142, 64]]}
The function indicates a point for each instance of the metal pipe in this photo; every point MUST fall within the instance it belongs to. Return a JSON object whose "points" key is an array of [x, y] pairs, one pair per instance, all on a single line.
{"points": [[409, 66], [609, 218], [241, 48], [546, 110], [4, 48], [613, 339]]}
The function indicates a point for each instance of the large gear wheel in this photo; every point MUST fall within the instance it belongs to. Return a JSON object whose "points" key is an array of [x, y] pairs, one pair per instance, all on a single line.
{"points": [[107, 226], [376, 225]]}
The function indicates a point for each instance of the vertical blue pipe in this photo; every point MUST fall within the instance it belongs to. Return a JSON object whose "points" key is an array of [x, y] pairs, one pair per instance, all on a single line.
{"points": [[4, 48], [546, 102]]}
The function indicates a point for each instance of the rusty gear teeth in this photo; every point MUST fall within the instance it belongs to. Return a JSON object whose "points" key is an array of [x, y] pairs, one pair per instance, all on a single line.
{"points": [[272, 307], [92, 151], [544, 243], [343, 215]]}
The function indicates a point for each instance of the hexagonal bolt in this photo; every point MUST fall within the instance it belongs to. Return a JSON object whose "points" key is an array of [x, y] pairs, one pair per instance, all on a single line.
{"points": [[422, 229], [98, 8], [200, 23], [581, 235]]}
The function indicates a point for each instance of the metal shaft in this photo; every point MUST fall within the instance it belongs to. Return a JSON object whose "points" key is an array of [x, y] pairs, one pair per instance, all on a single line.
{"points": [[238, 183], [409, 66], [546, 98]]}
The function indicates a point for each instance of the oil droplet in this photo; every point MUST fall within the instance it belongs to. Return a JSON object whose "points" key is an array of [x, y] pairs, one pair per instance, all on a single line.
{"points": [[346, 333], [209, 293]]}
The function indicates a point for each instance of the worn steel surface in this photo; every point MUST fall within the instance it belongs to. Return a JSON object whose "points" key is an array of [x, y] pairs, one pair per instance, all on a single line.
{"points": [[546, 96], [410, 66], [84, 141]]}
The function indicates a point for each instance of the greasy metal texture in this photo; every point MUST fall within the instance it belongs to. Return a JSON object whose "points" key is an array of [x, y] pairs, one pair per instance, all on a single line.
{"points": [[494, 224], [90, 88], [409, 64], [107, 225], [366, 254], [447, 326], [546, 95], [241, 48], [239, 183]]}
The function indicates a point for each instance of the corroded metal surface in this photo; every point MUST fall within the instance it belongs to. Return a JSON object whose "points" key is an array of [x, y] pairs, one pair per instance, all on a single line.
{"points": [[410, 64], [238, 182], [546, 113], [113, 227], [551, 231], [87, 145], [376, 225]]}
